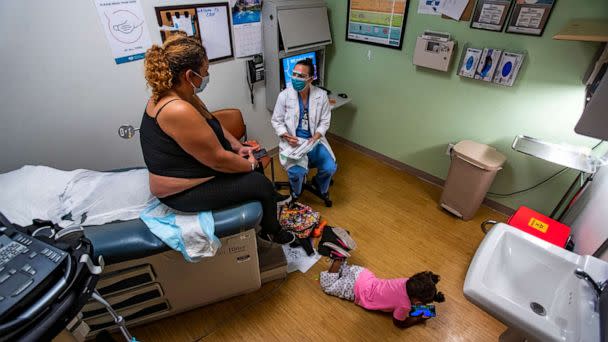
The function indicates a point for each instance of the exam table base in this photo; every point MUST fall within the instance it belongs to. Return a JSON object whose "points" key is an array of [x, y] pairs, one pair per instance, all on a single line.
{"points": [[161, 285]]}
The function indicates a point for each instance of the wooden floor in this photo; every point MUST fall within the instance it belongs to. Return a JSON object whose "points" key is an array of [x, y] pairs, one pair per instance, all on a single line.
{"points": [[399, 229]]}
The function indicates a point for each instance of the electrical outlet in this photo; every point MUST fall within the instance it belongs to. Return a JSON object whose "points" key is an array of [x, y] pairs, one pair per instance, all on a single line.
{"points": [[448, 151]]}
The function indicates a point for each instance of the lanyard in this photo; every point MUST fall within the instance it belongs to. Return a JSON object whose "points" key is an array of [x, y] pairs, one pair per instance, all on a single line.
{"points": [[304, 110]]}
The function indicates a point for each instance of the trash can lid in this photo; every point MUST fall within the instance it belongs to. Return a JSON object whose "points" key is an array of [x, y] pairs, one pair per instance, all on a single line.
{"points": [[481, 155]]}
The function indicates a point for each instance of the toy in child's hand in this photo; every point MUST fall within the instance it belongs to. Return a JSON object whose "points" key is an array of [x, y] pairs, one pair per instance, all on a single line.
{"points": [[425, 311]]}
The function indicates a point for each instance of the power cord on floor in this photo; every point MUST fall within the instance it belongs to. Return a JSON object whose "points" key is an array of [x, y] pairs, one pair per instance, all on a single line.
{"points": [[238, 312], [530, 188], [540, 183]]}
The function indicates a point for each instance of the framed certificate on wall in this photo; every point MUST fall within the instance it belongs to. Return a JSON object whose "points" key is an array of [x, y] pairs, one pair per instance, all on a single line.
{"points": [[490, 15], [377, 22], [530, 16]]}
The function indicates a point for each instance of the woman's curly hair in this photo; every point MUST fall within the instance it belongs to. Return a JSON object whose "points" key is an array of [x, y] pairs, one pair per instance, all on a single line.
{"points": [[164, 65]]}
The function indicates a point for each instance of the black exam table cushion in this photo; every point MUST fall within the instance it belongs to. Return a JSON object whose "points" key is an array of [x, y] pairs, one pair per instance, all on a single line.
{"points": [[127, 240]]}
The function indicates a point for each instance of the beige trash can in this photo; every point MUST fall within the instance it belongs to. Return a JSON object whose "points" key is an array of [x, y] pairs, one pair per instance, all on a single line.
{"points": [[472, 171]]}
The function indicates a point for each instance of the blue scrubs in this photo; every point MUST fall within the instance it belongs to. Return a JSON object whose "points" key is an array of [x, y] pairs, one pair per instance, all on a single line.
{"points": [[319, 157], [303, 130]]}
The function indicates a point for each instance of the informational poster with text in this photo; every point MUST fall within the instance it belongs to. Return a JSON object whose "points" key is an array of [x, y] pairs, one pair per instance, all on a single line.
{"points": [[125, 29]]}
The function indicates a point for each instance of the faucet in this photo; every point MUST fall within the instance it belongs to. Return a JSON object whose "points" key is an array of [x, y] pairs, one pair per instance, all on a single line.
{"points": [[598, 287]]}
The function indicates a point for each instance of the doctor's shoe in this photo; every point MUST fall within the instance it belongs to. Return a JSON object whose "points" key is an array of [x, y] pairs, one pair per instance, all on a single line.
{"points": [[327, 200], [324, 196]]}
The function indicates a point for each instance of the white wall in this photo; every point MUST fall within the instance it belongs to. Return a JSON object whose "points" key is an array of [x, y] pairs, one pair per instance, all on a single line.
{"points": [[63, 98]]}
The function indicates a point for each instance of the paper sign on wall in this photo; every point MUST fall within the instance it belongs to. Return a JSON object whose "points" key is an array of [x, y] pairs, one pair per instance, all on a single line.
{"points": [[429, 7], [125, 28], [491, 14], [184, 23], [453, 8], [530, 17]]}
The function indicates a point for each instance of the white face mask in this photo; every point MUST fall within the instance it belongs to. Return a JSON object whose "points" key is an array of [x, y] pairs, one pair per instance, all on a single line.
{"points": [[203, 83]]}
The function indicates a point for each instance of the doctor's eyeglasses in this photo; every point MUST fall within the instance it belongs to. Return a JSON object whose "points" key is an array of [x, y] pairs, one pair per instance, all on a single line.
{"points": [[299, 75]]}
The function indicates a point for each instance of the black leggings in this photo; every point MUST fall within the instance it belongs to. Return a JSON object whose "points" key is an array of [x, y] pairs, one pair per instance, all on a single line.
{"points": [[228, 190]]}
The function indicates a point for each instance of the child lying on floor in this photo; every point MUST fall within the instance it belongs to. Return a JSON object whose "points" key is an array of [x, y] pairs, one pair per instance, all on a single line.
{"points": [[358, 284]]}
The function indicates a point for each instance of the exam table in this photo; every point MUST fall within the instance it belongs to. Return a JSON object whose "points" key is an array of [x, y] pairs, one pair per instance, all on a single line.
{"points": [[144, 280]]}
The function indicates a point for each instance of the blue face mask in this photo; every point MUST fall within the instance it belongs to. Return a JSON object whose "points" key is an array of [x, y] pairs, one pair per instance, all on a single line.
{"points": [[203, 83], [298, 84]]}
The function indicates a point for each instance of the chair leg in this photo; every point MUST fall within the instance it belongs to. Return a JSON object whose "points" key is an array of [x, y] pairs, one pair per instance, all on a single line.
{"points": [[277, 185], [272, 169]]}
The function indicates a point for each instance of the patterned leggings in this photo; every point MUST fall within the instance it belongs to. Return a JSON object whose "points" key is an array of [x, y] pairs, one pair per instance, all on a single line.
{"points": [[341, 284]]}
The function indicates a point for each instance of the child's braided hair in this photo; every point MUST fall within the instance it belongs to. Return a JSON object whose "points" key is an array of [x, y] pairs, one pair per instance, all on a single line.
{"points": [[422, 286]]}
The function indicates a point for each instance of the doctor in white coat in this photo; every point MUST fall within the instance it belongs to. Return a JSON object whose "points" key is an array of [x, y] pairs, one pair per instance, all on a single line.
{"points": [[302, 111]]}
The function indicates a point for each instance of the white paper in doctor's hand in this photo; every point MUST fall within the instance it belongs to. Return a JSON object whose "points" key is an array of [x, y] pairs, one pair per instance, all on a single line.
{"points": [[298, 260], [297, 152]]}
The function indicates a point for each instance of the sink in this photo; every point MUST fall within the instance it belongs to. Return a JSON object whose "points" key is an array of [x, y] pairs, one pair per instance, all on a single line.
{"points": [[529, 285]]}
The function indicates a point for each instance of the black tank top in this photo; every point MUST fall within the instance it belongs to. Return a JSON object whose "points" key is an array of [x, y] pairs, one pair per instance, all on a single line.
{"points": [[163, 155]]}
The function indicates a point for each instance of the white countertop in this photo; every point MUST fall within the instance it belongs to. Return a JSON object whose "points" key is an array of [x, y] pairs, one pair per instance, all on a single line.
{"points": [[339, 101]]}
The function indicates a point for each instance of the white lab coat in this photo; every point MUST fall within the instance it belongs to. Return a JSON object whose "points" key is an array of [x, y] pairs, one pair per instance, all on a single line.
{"points": [[287, 114]]}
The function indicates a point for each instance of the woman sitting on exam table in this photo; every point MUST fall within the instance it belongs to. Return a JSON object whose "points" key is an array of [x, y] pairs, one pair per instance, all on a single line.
{"points": [[194, 163], [302, 115]]}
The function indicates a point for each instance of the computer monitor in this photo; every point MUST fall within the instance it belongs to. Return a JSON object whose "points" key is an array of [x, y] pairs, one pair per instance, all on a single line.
{"points": [[290, 62]]}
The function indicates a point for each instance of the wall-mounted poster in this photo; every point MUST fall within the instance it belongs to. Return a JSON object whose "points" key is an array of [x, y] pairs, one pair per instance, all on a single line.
{"points": [[490, 14], [530, 16], [377, 22], [125, 28]]}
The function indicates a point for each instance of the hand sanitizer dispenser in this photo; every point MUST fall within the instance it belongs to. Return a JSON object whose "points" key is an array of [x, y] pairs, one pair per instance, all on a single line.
{"points": [[434, 50]]}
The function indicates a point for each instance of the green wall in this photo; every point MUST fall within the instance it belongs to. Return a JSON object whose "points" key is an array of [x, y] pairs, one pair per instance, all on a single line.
{"points": [[410, 113]]}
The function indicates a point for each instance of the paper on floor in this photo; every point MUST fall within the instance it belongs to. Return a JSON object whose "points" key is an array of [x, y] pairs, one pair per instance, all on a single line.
{"points": [[297, 260]]}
